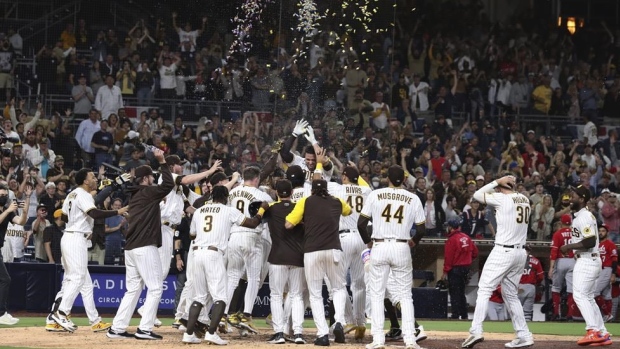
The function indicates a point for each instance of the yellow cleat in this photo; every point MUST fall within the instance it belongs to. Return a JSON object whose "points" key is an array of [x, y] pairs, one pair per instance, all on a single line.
{"points": [[54, 328], [246, 323], [233, 320], [360, 331], [100, 326], [349, 328]]}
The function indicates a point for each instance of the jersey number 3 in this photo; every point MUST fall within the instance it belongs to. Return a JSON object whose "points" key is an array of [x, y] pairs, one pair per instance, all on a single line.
{"points": [[398, 214], [208, 224]]}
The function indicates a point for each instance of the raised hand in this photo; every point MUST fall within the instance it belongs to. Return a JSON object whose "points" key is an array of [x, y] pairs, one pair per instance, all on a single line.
{"points": [[300, 128], [310, 135]]}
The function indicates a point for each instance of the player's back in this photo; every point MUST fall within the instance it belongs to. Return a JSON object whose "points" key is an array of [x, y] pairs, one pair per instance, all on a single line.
{"points": [[301, 192], [512, 213], [393, 212], [355, 196], [585, 226], [560, 238], [240, 198], [212, 223]]}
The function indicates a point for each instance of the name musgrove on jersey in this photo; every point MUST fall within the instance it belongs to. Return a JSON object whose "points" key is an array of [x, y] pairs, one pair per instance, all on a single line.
{"points": [[394, 196]]}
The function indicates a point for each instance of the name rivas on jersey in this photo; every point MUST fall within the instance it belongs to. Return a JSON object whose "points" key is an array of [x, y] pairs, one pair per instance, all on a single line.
{"points": [[353, 190]]}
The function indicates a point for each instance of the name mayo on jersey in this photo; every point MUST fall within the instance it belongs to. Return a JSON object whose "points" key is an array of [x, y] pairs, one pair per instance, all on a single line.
{"points": [[241, 194], [520, 200], [394, 196], [210, 209]]}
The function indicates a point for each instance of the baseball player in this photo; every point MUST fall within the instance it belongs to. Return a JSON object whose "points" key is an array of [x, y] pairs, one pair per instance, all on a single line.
{"points": [[609, 258], [7, 215], [585, 243], [309, 162], [353, 191], [79, 208], [459, 252], [532, 276], [561, 267], [211, 226], [322, 252], [172, 208], [142, 262], [393, 211], [497, 309], [245, 251], [505, 263], [286, 262]]}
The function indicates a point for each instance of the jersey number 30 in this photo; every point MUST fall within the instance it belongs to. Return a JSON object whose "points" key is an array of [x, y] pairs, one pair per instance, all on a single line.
{"points": [[398, 214], [523, 214]]}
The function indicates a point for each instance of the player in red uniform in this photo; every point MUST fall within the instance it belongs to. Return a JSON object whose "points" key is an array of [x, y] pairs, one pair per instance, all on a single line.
{"points": [[609, 257], [561, 268], [532, 276]]}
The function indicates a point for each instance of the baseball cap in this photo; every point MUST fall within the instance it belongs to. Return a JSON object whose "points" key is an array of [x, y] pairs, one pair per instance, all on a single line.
{"points": [[480, 178], [418, 169], [535, 174], [142, 171], [295, 173], [174, 160], [605, 191], [582, 192], [50, 185], [455, 222], [530, 131], [245, 152], [59, 158], [132, 134], [208, 121], [565, 197], [566, 219], [319, 184], [41, 206], [339, 123], [58, 213], [604, 226], [471, 182], [396, 175], [352, 174], [43, 140], [284, 188], [217, 177]]}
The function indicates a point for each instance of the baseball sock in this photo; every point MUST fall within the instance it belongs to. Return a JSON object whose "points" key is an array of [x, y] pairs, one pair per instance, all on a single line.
{"points": [[608, 306], [216, 313], [236, 302], [555, 296], [391, 312], [192, 318], [570, 303], [56, 304], [332, 310]]}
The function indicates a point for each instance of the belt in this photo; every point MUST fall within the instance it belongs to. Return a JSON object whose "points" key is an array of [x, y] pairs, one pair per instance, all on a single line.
{"points": [[210, 248], [390, 240], [586, 255], [78, 232], [344, 231], [168, 224], [509, 246]]}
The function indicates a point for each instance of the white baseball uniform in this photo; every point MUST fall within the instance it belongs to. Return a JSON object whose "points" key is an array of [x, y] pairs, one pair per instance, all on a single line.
{"points": [[301, 162], [171, 214], [211, 225], [74, 248], [245, 251], [301, 192], [393, 212], [586, 271], [506, 260], [352, 244], [16, 234]]}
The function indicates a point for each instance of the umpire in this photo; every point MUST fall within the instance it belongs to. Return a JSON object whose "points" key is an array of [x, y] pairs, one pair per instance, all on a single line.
{"points": [[459, 252], [323, 255]]}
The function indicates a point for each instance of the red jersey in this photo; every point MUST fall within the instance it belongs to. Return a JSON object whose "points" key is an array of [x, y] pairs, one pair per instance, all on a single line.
{"points": [[609, 253], [533, 272], [496, 296], [615, 287], [459, 251], [561, 238]]}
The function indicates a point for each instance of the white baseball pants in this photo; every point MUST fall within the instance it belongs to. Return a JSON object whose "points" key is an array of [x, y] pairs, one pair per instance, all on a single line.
{"points": [[245, 253], [73, 246], [188, 288], [213, 282], [143, 267], [281, 276], [317, 265], [585, 276], [166, 250], [352, 247]]}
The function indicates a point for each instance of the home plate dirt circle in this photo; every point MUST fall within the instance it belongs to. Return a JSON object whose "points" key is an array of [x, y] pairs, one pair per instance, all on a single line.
{"points": [[84, 338]]}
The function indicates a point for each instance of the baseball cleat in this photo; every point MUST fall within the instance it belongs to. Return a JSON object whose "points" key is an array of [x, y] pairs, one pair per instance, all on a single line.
{"points": [[176, 323], [322, 341], [63, 320], [420, 335], [54, 327], [348, 328], [245, 322], [277, 338], [520, 343], [591, 337], [269, 321], [119, 335], [222, 327], [472, 340], [360, 331], [338, 333], [190, 339], [606, 342], [233, 320], [7, 319], [215, 339], [147, 335], [100, 326], [375, 345], [299, 339], [413, 345], [394, 334]]}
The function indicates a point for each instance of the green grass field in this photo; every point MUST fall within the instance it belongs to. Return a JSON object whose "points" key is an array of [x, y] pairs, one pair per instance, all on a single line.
{"points": [[551, 328]]}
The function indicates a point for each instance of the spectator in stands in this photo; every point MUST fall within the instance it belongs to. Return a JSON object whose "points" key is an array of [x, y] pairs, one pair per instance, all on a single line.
{"points": [[137, 159], [144, 84], [167, 75], [356, 79], [43, 158], [474, 221], [588, 99], [85, 132], [109, 98], [96, 78], [542, 96], [381, 113], [52, 236], [16, 41], [103, 143], [542, 217], [83, 97], [187, 36], [444, 101], [114, 230], [418, 94], [68, 37], [435, 215], [7, 66], [609, 207], [126, 78], [38, 230]]}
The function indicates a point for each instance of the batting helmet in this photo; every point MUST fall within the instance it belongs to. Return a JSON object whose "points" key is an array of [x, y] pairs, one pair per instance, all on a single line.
{"points": [[253, 208]]}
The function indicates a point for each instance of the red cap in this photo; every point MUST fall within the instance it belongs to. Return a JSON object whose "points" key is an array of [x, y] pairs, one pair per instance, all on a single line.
{"points": [[566, 219], [605, 226]]}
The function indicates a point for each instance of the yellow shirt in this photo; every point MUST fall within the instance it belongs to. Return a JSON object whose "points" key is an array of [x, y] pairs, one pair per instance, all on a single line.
{"points": [[542, 98]]}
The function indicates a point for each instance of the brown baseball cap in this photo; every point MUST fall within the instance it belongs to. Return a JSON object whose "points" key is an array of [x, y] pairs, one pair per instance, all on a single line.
{"points": [[582, 192], [396, 175], [174, 160], [352, 174], [284, 188]]}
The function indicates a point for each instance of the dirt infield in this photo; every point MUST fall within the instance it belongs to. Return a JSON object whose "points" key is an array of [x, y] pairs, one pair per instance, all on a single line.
{"points": [[83, 338]]}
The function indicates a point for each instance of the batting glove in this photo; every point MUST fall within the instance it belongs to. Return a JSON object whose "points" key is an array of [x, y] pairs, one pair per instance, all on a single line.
{"points": [[310, 135], [300, 128], [125, 177]]}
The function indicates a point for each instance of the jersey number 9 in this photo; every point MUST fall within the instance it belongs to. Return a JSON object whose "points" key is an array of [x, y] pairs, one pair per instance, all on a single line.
{"points": [[241, 206]]}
